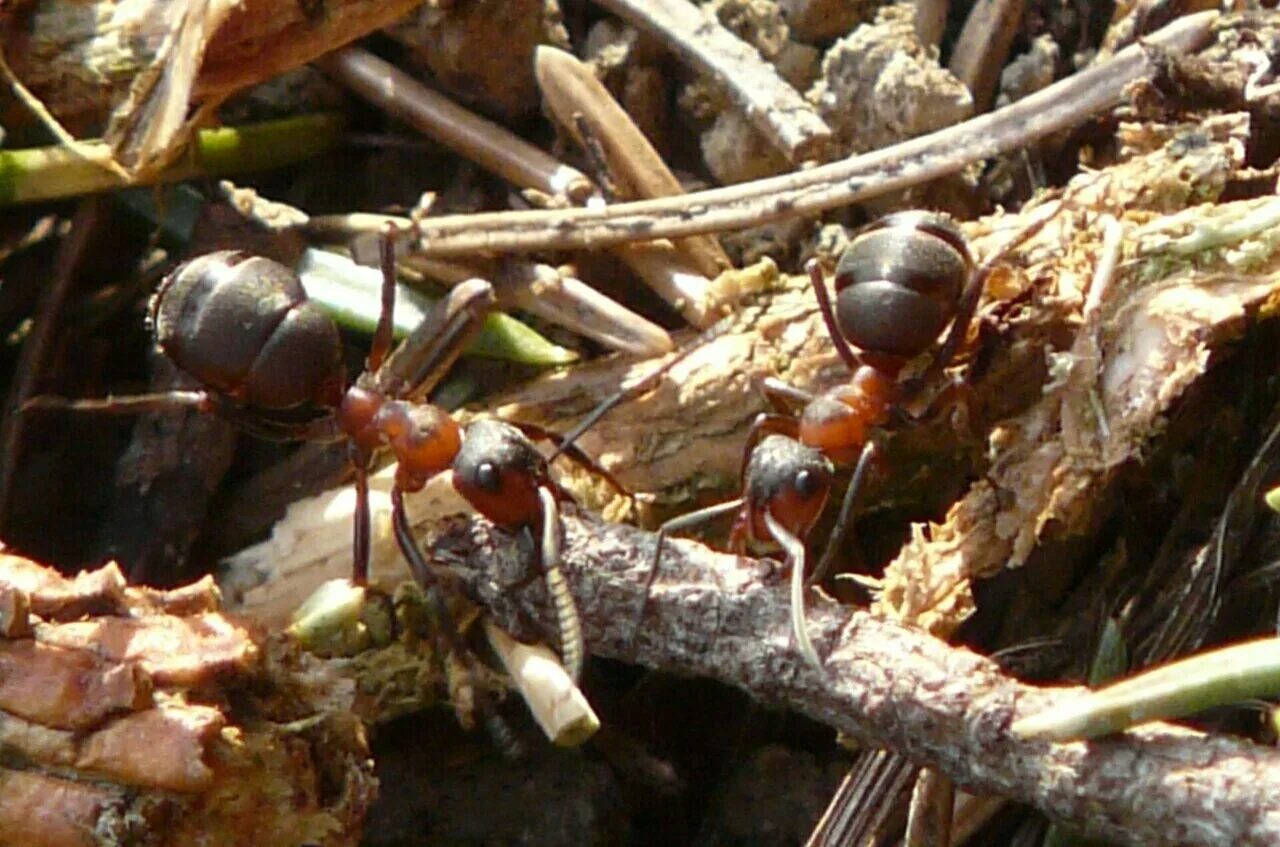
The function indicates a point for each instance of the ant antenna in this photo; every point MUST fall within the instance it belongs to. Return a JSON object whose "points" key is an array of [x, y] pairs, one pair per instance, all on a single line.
{"points": [[644, 384], [572, 646], [796, 559]]}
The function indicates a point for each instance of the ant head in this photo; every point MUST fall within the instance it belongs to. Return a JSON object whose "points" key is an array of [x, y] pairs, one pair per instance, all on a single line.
{"points": [[788, 480], [898, 282], [499, 471]]}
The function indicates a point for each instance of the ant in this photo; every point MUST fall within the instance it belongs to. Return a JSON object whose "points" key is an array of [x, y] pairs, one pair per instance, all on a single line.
{"points": [[270, 359], [899, 283]]}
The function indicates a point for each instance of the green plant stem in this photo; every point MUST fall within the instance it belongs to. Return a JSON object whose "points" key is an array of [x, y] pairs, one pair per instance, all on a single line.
{"points": [[48, 173]]}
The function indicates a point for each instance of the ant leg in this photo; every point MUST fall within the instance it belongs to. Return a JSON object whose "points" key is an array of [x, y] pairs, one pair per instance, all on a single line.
{"points": [[360, 533], [134, 404], [868, 455], [784, 397], [683, 522], [448, 631], [819, 282], [646, 383], [674, 525], [572, 648], [796, 559], [959, 330], [968, 304], [385, 331], [422, 359]]}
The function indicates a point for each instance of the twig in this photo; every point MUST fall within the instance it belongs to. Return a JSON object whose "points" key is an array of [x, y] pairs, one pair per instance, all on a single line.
{"points": [[580, 102], [839, 184], [534, 287], [570, 302], [484, 142], [983, 47], [768, 101], [726, 618], [39, 346], [514, 159]]}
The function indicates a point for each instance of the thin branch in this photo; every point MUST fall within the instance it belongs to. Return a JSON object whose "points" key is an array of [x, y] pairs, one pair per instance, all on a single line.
{"points": [[1057, 107], [484, 142], [726, 618], [775, 108]]}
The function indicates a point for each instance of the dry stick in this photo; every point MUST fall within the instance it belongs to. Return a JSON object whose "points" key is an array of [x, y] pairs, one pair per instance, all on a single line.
{"points": [[576, 306], [887, 685], [919, 160], [502, 152], [482, 141], [983, 47], [573, 93], [556, 296], [539, 289], [775, 108], [583, 106]]}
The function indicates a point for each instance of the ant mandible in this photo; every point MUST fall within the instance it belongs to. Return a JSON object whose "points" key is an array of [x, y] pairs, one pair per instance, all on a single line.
{"points": [[899, 283], [270, 360]]}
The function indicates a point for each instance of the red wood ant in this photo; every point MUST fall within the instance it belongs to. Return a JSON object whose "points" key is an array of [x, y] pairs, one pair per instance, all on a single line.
{"points": [[899, 283], [269, 359]]}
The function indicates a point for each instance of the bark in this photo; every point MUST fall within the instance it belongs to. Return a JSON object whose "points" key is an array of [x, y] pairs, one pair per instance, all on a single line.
{"points": [[134, 715], [885, 684]]}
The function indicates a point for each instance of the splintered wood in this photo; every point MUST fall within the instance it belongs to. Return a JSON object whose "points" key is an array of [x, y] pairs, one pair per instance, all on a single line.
{"points": [[117, 722]]}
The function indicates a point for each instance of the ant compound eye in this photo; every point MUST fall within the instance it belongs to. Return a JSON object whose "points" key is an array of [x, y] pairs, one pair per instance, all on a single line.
{"points": [[488, 477], [807, 483]]}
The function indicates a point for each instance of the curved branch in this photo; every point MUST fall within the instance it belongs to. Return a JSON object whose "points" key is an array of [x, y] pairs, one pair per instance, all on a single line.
{"points": [[841, 183], [726, 618]]}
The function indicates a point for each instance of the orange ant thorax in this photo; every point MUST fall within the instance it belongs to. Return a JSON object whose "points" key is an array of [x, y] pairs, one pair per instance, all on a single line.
{"points": [[840, 422], [423, 438]]}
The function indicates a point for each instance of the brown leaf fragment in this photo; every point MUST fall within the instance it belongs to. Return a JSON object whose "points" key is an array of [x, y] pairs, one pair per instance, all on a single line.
{"points": [[160, 748], [56, 597], [67, 688], [44, 810], [174, 651]]}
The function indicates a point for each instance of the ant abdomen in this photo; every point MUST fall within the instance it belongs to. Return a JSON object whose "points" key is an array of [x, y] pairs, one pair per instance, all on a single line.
{"points": [[243, 327], [899, 281]]}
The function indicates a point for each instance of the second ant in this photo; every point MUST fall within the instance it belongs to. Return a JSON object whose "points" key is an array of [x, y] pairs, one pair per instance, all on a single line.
{"points": [[900, 283]]}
